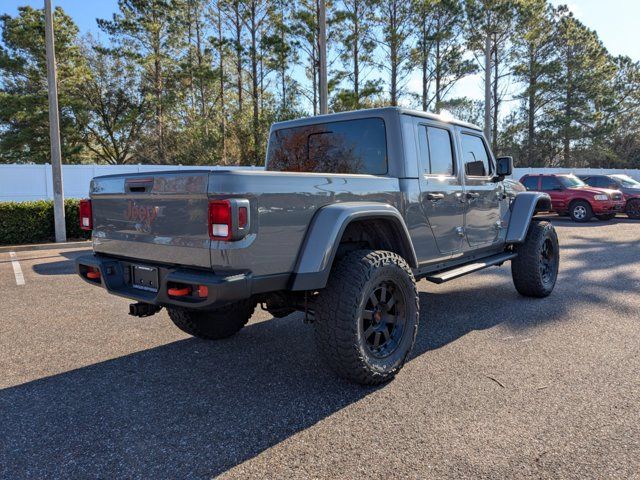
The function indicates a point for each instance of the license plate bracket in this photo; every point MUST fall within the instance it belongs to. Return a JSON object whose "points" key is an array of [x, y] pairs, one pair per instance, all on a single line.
{"points": [[144, 278]]}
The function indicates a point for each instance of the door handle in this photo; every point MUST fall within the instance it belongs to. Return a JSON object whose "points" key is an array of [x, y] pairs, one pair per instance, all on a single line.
{"points": [[435, 196], [472, 195]]}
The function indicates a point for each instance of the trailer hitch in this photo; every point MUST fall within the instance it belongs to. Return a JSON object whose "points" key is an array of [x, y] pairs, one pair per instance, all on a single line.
{"points": [[141, 309]]}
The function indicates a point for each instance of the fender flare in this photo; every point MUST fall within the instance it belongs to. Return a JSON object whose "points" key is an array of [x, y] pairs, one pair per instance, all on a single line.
{"points": [[523, 207], [325, 232]]}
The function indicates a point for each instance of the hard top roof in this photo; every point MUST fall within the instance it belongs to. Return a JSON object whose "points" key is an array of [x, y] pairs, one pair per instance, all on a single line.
{"points": [[364, 113]]}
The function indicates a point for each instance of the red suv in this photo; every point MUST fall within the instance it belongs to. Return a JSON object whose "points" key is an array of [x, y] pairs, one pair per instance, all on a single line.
{"points": [[570, 195]]}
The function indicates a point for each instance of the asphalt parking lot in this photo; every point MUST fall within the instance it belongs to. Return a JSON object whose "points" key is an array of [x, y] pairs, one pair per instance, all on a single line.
{"points": [[498, 386]]}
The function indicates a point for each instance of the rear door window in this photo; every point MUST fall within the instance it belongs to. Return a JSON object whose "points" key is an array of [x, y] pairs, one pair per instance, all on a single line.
{"points": [[350, 146], [550, 183], [437, 151]]}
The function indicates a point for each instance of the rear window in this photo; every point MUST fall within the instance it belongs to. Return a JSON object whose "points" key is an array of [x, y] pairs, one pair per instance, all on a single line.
{"points": [[351, 146]]}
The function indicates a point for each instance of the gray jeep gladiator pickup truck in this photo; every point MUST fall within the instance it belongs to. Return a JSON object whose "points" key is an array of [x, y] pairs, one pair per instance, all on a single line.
{"points": [[351, 210]]}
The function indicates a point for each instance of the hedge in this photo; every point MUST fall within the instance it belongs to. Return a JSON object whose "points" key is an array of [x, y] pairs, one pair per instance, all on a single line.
{"points": [[32, 222]]}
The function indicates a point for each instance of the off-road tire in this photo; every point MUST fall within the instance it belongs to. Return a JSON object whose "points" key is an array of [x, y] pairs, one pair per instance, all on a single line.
{"points": [[339, 315], [213, 324], [580, 211], [530, 277], [606, 217], [633, 208]]}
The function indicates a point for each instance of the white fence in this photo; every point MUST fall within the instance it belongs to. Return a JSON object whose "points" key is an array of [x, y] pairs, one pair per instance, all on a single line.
{"points": [[21, 183]]}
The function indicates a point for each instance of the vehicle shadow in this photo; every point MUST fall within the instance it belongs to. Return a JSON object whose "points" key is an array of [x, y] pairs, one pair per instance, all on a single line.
{"points": [[593, 223], [61, 267], [197, 409], [193, 408]]}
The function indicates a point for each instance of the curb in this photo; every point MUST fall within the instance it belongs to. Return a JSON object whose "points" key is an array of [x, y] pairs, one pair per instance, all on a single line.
{"points": [[44, 246]]}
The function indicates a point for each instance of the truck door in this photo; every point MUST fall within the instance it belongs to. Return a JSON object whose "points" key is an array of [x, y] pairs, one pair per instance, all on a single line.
{"points": [[482, 195], [441, 191]]}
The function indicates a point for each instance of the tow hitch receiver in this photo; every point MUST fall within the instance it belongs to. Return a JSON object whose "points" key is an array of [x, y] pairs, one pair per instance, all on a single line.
{"points": [[142, 309]]}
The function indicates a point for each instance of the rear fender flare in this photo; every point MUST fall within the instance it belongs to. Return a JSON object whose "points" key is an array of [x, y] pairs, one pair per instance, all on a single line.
{"points": [[523, 208], [325, 232]]}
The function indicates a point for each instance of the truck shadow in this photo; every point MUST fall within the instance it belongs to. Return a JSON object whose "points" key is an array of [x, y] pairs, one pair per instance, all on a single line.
{"points": [[60, 267], [197, 409]]}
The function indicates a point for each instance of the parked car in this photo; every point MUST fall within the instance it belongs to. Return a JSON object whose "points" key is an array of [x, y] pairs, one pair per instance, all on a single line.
{"points": [[629, 187], [352, 208], [512, 187], [571, 196]]}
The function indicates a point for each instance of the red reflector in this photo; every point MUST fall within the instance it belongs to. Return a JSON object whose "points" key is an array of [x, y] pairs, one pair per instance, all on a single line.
{"points": [[85, 213], [93, 273], [220, 225], [179, 292], [242, 217], [203, 291]]}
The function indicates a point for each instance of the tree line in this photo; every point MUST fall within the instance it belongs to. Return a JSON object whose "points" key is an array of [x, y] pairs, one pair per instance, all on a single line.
{"points": [[200, 81]]}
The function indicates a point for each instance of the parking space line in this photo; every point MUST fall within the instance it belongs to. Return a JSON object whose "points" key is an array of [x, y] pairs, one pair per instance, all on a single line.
{"points": [[17, 270]]}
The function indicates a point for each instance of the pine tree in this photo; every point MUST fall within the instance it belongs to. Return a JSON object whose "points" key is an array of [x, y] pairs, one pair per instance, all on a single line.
{"points": [[394, 19], [24, 108], [440, 51], [149, 31], [355, 20]]}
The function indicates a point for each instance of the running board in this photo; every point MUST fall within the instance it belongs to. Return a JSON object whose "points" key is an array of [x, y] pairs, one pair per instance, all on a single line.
{"points": [[446, 275]]}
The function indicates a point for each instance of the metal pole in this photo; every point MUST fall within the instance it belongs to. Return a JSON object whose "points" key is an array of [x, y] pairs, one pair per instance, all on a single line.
{"points": [[54, 127], [322, 56], [487, 88]]}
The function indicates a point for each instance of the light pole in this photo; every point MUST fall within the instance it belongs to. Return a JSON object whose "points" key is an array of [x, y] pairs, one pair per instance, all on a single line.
{"points": [[322, 56], [54, 126], [487, 88]]}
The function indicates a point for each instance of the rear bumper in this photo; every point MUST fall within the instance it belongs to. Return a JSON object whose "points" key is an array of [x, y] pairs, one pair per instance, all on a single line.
{"points": [[115, 277]]}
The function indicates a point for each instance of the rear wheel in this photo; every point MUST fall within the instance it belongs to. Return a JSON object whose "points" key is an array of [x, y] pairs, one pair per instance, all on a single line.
{"points": [[580, 211], [633, 208], [366, 318], [607, 217], [213, 324], [535, 269]]}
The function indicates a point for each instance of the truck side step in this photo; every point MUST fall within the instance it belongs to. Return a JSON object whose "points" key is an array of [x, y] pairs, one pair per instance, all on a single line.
{"points": [[446, 275]]}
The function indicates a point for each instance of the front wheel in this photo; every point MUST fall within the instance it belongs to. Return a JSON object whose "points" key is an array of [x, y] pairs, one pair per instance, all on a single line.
{"points": [[580, 211], [366, 318], [535, 269], [633, 208]]}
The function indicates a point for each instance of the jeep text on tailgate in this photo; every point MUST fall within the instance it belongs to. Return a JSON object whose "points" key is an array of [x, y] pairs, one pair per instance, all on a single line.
{"points": [[352, 209]]}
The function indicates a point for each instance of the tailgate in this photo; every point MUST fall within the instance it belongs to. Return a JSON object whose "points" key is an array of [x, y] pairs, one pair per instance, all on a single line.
{"points": [[155, 216]]}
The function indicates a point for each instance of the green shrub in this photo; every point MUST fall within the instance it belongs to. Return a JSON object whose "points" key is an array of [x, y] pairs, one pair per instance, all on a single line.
{"points": [[32, 222]]}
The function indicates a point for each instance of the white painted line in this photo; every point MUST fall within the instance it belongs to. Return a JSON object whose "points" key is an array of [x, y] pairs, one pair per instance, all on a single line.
{"points": [[17, 270]]}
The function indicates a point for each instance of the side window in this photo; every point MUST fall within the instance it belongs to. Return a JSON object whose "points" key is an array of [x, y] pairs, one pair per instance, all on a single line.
{"points": [[440, 151], [597, 181], [475, 156], [530, 183], [550, 183], [610, 183]]}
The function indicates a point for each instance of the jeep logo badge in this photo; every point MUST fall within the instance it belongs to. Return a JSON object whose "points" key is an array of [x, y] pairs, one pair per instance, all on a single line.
{"points": [[145, 215]]}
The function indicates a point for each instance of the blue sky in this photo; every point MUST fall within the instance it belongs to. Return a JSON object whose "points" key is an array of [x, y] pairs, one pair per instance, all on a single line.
{"points": [[616, 21]]}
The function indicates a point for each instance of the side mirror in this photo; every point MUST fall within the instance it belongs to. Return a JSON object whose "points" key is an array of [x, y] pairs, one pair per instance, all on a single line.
{"points": [[504, 166]]}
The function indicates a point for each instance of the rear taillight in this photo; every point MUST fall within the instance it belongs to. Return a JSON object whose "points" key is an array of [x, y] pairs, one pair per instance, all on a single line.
{"points": [[229, 219], [220, 224], [86, 219]]}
